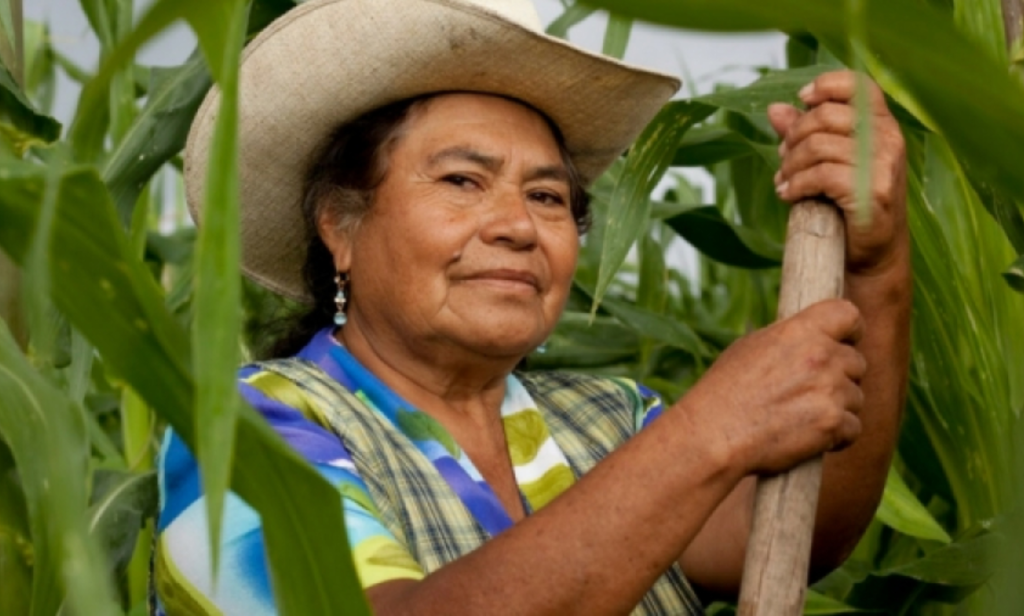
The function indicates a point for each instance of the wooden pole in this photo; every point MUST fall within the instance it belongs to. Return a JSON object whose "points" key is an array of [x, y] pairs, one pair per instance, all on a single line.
{"points": [[778, 554], [1013, 20]]}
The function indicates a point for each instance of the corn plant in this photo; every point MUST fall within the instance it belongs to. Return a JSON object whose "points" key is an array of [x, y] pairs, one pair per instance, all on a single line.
{"points": [[114, 328]]}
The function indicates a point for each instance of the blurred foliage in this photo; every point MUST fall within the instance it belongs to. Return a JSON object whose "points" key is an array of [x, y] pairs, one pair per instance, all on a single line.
{"points": [[113, 321]]}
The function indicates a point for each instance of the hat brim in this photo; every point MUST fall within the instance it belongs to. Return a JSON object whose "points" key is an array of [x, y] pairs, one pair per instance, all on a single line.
{"points": [[326, 62]]}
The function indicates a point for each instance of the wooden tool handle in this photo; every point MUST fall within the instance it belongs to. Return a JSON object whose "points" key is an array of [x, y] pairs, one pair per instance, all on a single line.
{"points": [[779, 551]]}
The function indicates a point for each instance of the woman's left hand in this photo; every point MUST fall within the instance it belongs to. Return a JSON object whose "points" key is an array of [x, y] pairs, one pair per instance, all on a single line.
{"points": [[819, 153]]}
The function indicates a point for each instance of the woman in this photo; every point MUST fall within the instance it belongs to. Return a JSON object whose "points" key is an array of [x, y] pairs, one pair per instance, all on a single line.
{"points": [[442, 223]]}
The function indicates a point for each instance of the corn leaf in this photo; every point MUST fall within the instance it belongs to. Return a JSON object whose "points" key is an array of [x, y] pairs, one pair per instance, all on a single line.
{"points": [[901, 510], [706, 145], [707, 230], [109, 296], [817, 604], [773, 87], [616, 36], [629, 207], [964, 563], [578, 342], [1014, 275], [572, 15], [158, 133], [121, 503], [945, 72], [217, 326], [46, 434], [17, 109], [16, 553]]}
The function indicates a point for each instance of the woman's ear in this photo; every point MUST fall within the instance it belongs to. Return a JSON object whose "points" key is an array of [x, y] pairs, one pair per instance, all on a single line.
{"points": [[336, 238]]}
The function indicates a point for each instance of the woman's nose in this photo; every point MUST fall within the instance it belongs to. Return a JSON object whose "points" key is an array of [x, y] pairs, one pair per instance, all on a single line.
{"points": [[509, 221]]}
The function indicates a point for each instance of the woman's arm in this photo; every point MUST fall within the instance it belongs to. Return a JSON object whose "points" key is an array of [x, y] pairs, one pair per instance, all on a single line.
{"points": [[599, 547], [818, 159]]}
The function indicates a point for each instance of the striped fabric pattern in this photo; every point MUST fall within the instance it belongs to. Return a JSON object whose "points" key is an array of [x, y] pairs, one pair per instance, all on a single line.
{"points": [[588, 418], [403, 517]]}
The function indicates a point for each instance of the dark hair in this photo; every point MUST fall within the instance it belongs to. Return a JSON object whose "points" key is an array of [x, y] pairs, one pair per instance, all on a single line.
{"points": [[343, 180]]}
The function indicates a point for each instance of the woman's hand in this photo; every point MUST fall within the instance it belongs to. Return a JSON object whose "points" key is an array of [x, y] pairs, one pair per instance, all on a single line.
{"points": [[819, 151], [785, 393], [800, 385]]}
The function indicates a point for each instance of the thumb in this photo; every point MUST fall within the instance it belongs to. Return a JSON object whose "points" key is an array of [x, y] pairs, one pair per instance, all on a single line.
{"points": [[782, 117]]}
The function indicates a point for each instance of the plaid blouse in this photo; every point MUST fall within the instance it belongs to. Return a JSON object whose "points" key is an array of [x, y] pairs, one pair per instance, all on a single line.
{"points": [[404, 516]]}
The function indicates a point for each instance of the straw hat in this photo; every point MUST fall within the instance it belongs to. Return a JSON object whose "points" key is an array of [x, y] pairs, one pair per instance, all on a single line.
{"points": [[326, 62]]}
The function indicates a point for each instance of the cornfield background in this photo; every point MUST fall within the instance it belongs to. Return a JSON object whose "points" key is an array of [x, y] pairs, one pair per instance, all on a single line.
{"points": [[114, 328]]}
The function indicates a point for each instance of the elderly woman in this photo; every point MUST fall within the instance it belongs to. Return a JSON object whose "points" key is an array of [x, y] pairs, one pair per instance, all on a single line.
{"points": [[438, 151]]}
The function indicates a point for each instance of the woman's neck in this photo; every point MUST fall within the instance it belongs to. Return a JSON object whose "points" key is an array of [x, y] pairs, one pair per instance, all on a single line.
{"points": [[455, 386]]}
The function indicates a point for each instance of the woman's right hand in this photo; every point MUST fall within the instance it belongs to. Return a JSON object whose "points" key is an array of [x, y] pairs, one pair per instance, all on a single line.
{"points": [[785, 393]]}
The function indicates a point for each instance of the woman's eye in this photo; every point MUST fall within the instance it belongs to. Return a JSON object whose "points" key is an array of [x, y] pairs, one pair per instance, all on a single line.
{"points": [[458, 180], [547, 198]]}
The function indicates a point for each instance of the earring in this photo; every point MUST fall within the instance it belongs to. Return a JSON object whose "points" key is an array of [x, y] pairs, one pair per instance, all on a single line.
{"points": [[341, 280]]}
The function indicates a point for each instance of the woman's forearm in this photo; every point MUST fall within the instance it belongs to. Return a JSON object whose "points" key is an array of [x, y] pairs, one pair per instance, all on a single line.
{"points": [[597, 548], [854, 478]]}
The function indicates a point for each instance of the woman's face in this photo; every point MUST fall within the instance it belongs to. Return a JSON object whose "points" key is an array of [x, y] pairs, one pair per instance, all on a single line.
{"points": [[470, 242]]}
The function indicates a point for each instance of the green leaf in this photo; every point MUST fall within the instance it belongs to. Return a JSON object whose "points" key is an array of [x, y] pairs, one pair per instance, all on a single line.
{"points": [[773, 87], [573, 15], [667, 330], [943, 71], [47, 439], [964, 563], [652, 287], [98, 14], [707, 145], [616, 36], [16, 550], [218, 292], [40, 66], [1007, 209], [817, 604], [1014, 275], [629, 207], [108, 295], [578, 342], [17, 109], [982, 21], [901, 510], [158, 133], [708, 231], [122, 502], [210, 20]]}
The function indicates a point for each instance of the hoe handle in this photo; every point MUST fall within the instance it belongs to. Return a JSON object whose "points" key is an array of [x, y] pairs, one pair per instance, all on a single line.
{"points": [[778, 555]]}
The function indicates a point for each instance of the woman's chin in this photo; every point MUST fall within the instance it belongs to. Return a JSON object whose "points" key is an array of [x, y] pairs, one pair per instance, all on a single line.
{"points": [[510, 346]]}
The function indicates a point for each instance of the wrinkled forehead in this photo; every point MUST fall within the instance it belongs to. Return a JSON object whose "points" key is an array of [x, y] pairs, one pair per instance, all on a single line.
{"points": [[445, 118]]}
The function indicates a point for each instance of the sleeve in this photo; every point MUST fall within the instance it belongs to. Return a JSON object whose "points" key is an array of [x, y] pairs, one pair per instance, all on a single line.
{"points": [[182, 578]]}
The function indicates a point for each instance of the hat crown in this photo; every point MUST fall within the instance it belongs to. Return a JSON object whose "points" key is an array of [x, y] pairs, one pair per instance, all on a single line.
{"points": [[521, 12]]}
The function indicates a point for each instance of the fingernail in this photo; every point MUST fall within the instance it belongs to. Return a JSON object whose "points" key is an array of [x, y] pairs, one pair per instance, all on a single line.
{"points": [[780, 190], [782, 149], [805, 92], [777, 178]]}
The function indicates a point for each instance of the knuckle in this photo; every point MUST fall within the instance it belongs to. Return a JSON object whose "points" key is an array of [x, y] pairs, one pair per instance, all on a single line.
{"points": [[861, 366], [817, 357], [830, 419], [818, 142], [837, 116], [881, 189]]}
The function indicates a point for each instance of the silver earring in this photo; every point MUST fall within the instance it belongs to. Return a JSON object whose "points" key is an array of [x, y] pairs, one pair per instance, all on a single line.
{"points": [[341, 280]]}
